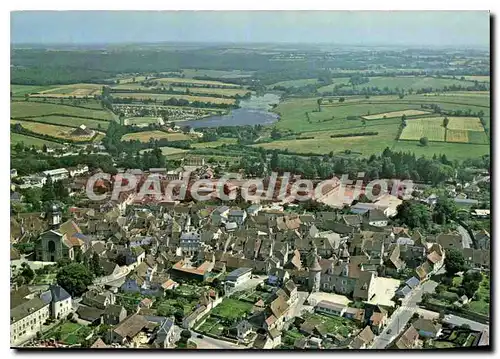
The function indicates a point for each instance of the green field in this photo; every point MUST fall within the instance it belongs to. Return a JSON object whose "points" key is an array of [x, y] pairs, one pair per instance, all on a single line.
{"points": [[482, 305], [29, 109], [459, 151], [407, 113], [31, 141], [414, 82], [74, 90], [21, 90], [73, 122], [187, 81], [146, 135], [61, 132]]}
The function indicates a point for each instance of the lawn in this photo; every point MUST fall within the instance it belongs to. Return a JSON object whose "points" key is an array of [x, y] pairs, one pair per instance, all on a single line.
{"points": [[21, 90], [432, 128], [443, 345], [70, 333], [31, 141], [146, 135], [232, 309], [164, 97], [290, 336], [19, 109], [482, 306]]}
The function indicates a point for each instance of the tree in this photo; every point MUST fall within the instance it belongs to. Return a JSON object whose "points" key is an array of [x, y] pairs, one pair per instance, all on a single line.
{"points": [[27, 273], [446, 121], [424, 141], [341, 99], [444, 210], [454, 261], [363, 121], [75, 278], [186, 334], [319, 101], [413, 214], [95, 266]]}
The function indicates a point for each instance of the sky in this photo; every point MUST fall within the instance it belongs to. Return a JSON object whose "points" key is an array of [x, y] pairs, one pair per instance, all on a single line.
{"points": [[411, 28]]}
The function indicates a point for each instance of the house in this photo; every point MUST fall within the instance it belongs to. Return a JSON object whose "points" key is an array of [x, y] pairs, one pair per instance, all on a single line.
{"points": [[16, 197], [263, 341], [165, 337], [477, 258], [219, 215], [57, 174], [254, 209], [170, 285], [78, 170], [481, 213], [237, 216], [98, 344], [114, 314], [90, 314], [378, 320], [238, 276], [409, 339], [243, 328], [82, 131], [60, 301], [54, 246], [363, 340], [128, 329], [330, 308], [145, 303], [98, 298], [466, 202], [277, 276], [27, 317], [377, 218], [365, 286], [482, 239], [354, 314], [427, 328]]}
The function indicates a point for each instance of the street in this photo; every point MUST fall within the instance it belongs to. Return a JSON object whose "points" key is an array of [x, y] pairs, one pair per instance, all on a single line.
{"points": [[467, 240], [402, 315], [208, 342]]}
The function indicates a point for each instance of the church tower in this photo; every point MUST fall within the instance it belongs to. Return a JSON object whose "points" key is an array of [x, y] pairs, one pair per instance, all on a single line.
{"points": [[54, 216]]}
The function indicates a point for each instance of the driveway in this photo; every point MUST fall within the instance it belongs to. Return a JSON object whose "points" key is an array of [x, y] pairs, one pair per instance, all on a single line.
{"points": [[402, 315]]}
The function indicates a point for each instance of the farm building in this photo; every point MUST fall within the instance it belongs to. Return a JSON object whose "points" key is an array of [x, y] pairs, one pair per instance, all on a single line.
{"points": [[82, 131]]}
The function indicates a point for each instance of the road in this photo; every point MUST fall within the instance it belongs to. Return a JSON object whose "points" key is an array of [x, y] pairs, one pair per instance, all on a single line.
{"points": [[212, 343], [467, 240], [458, 321], [402, 315]]}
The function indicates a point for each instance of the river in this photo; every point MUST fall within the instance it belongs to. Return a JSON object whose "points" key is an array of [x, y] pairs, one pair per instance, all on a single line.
{"points": [[254, 111]]}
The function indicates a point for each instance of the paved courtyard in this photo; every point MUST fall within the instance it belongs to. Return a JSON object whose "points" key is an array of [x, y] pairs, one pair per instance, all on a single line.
{"points": [[384, 291], [317, 297]]}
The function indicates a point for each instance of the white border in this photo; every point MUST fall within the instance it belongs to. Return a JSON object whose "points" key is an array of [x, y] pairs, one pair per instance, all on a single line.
{"points": [[195, 5]]}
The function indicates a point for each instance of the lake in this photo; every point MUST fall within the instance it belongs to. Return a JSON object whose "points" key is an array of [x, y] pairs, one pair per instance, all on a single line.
{"points": [[254, 111]]}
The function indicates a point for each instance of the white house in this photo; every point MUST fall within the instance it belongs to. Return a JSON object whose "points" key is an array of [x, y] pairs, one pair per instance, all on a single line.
{"points": [[238, 276], [57, 174], [59, 300], [27, 318], [78, 171]]}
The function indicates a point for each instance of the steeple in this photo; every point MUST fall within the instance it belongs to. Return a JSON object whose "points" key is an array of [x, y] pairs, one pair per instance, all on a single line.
{"points": [[53, 215]]}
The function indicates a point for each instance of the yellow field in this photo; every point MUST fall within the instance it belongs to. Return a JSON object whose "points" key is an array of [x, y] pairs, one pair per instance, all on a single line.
{"points": [[432, 128], [461, 136], [169, 80], [53, 130], [164, 97], [395, 114], [77, 90], [465, 123], [146, 135]]}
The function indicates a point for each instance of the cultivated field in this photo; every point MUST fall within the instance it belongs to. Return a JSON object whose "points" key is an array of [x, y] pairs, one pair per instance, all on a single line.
{"points": [[21, 90], [219, 142], [146, 135], [465, 123], [215, 91], [74, 90], [461, 136], [232, 74], [19, 109], [415, 129], [31, 141], [295, 83], [395, 114], [164, 97], [51, 130], [72, 121]]}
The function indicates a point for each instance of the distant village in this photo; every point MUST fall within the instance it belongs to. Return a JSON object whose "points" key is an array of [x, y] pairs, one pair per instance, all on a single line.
{"points": [[141, 273]]}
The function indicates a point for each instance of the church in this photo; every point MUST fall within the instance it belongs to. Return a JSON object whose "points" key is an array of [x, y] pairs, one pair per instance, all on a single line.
{"points": [[61, 241]]}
